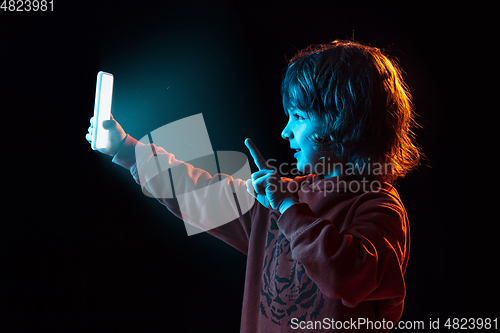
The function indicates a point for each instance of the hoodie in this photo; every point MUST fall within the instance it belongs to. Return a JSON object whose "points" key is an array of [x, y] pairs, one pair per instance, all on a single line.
{"points": [[333, 262]]}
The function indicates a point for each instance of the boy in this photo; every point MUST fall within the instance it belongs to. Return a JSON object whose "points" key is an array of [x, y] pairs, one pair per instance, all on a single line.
{"points": [[326, 251]]}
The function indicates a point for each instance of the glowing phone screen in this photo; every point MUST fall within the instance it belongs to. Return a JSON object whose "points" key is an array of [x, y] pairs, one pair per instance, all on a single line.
{"points": [[102, 109]]}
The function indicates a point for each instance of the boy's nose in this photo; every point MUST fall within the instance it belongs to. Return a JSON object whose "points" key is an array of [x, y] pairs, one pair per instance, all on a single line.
{"points": [[286, 133]]}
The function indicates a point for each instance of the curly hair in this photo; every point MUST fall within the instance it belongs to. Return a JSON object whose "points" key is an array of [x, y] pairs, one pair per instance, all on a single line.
{"points": [[360, 98]]}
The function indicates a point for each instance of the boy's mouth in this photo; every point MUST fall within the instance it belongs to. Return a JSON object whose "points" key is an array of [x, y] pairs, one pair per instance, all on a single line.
{"points": [[297, 150]]}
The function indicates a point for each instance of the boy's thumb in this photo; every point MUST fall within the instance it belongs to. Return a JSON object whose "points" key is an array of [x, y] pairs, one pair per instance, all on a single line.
{"points": [[109, 124]]}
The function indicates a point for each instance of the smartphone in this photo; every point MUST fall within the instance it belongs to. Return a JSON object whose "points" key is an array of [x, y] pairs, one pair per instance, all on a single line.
{"points": [[102, 109]]}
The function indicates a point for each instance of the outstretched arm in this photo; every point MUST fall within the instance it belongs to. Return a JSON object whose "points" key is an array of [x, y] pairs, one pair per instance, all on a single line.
{"points": [[210, 203]]}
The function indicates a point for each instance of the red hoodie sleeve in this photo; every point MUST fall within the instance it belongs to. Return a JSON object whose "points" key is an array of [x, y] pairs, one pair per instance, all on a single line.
{"points": [[365, 261], [186, 179]]}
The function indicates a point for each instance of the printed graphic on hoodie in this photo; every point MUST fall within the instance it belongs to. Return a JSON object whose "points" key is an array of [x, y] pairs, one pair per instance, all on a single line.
{"points": [[286, 290]]}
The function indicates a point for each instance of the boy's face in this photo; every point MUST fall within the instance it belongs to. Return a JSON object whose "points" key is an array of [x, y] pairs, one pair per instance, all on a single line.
{"points": [[298, 129]]}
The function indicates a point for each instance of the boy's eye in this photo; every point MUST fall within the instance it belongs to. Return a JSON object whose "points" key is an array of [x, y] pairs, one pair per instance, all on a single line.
{"points": [[298, 117]]}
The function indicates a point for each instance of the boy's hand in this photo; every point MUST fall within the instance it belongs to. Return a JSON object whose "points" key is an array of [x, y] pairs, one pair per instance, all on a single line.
{"points": [[266, 185], [116, 135]]}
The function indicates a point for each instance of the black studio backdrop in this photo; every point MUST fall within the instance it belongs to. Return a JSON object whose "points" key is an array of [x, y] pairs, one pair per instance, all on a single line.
{"points": [[84, 250]]}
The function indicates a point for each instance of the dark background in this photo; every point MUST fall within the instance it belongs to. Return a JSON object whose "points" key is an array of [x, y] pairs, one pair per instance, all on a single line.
{"points": [[82, 248]]}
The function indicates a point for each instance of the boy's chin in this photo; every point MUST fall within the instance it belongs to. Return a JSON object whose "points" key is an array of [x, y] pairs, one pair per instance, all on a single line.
{"points": [[305, 168]]}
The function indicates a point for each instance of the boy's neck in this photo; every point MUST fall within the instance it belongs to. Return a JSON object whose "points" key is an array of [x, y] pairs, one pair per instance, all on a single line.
{"points": [[337, 171]]}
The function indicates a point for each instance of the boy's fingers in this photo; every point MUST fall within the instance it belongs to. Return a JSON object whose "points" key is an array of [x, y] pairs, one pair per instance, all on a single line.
{"points": [[261, 173], [259, 184], [250, 188], [110, 118], [257, 157], [109, 124]]}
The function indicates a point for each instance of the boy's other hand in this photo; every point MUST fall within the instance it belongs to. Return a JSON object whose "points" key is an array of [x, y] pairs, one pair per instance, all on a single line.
{"points": [[116, 135], [260, 162], [266, 185]]}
